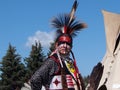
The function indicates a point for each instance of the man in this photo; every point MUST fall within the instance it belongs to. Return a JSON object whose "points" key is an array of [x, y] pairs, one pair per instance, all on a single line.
{"points": [[50, 73], [59, 71]]}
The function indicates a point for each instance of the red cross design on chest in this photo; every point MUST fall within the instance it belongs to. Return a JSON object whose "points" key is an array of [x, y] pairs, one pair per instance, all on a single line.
{"points": [[56, 82]]}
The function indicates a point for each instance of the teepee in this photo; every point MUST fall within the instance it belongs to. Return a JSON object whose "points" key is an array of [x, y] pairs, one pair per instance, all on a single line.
{"points": [[111, 60]]}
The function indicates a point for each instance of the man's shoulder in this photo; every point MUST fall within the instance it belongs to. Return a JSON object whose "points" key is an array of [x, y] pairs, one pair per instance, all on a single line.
{"points": [[51, 59], [54, 58]]}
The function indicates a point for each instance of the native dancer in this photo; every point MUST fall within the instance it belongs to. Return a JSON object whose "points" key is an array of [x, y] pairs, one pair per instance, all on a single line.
{"points": [[59, 71]]}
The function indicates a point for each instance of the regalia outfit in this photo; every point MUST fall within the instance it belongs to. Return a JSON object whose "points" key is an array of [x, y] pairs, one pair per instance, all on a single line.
{"points": [[52, 76], [61, 72]]}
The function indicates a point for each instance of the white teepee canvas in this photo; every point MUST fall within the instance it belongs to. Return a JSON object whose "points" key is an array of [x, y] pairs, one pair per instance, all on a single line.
{"points": [[111, 60]]}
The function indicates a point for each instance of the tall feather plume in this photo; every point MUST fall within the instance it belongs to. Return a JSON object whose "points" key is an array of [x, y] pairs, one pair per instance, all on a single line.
{"points": [[73, 10], [67, 24]]}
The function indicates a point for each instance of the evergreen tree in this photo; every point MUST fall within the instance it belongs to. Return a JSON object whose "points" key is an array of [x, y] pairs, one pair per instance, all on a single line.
{"points": [[34, 61], [12, 69]]}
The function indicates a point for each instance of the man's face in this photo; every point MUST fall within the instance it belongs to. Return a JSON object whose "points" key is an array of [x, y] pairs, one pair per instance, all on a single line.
{"points": [[64, 48]]}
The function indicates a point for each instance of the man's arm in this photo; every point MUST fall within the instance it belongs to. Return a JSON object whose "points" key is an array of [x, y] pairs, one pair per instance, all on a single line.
{"points": [[42, 75]]}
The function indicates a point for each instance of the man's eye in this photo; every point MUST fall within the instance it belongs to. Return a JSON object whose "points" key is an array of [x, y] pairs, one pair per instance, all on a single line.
{"points": [[64, 43]]}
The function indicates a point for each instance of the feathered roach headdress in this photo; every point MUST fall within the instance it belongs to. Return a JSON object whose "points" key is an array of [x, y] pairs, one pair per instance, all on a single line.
{"points": [[67, 26]]}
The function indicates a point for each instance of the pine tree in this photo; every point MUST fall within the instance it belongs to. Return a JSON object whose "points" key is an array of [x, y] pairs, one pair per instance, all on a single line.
{"points": [[34, 61], [12, 69]]}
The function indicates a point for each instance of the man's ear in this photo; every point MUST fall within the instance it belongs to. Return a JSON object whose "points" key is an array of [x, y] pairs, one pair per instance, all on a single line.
{"points": [[56, 44]]}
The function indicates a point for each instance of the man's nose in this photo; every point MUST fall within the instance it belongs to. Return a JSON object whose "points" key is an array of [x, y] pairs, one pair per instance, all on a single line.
{"points": [[65, 44]]}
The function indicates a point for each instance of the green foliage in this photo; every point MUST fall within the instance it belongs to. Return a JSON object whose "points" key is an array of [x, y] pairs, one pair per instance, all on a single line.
{"points": [[13, 71], [34, 61]]}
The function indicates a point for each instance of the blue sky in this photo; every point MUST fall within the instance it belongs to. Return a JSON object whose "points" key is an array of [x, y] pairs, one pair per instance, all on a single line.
{"points": [[23, 21]]}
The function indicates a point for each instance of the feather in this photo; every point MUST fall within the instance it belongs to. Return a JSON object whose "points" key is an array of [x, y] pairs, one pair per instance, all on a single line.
{"points": [[74, 7], [61, 23], [67, 23]]}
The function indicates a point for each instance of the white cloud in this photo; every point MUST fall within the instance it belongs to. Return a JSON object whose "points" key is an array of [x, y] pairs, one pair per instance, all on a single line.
{"points": [[45, 38]]}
